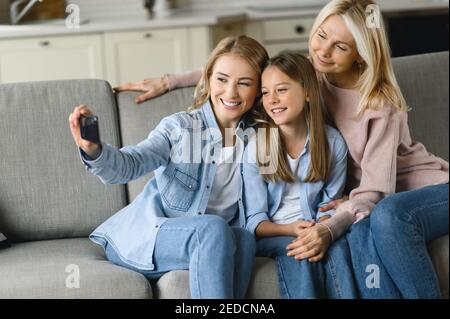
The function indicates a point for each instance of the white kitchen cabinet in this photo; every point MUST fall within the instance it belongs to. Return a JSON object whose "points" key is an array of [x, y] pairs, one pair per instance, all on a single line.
{"points": [[135, 55], [204, 39], [51, 58], [275, 48], [128, 56], [200, 46], [282, 34], [224, 30]]}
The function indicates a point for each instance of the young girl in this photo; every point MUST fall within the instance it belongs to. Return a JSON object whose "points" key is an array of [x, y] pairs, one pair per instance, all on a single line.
{"points": [[308, 163], [362, 95], [182, 218]]}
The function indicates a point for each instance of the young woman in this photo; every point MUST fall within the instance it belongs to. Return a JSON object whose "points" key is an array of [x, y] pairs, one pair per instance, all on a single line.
{"points": [[182, 218], [361, 93], [307, 162]]}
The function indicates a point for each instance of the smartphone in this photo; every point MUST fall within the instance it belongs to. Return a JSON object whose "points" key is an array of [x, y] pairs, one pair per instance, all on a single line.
{"points": [[89, 128]]}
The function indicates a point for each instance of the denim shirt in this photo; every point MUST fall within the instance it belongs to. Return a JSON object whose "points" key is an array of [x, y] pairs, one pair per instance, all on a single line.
{"points": [[178, 188], [262, 199]]}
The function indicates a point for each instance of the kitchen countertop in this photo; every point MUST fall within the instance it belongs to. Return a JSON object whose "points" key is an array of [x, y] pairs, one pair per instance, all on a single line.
{"points": [[187, 19], [205, 17]]}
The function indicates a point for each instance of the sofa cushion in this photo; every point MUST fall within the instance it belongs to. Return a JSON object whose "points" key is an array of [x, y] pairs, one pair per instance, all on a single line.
{"points": [[263, 285], [50, 269], [424, 82], [173, 285], [264, 282], [439, 253], [45, 192], [137, 120]]}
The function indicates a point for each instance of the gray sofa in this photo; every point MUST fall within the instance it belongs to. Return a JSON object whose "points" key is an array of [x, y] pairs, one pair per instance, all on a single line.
{"points": [[49, 204]]}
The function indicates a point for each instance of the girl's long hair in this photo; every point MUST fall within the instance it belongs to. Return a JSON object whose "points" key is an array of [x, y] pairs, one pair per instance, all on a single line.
{"points": [[377, 83], [271, 147]]}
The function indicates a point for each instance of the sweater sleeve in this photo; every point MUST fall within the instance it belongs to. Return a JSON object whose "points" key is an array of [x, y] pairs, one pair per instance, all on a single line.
{"points": [[378, 170], [186, 79]]}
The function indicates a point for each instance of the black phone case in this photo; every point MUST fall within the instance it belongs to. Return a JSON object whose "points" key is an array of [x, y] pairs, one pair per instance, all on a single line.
{"points": [[89, 128]]}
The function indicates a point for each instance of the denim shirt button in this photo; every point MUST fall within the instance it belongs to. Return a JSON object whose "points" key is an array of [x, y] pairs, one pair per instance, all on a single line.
{"points": [[199, 213], [214, 162], [190, 186], [156, 226], [207, 186]]}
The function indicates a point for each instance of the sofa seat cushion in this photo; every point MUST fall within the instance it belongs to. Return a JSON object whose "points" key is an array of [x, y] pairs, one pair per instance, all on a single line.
{"points": [[439, 253], [263, 285], [44, 269]]}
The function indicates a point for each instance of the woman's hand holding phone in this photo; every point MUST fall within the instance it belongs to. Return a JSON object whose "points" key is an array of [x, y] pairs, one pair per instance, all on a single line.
{"points": [[91, 148]]}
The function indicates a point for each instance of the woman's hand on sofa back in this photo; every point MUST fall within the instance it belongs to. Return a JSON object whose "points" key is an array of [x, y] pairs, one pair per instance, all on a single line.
{"points": [[152, 87], [93, 150]]}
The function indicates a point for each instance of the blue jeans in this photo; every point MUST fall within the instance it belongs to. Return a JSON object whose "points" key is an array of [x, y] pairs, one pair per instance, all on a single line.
{"points": [[372, 278], [219, 257], [331, 277], [402, 224]]}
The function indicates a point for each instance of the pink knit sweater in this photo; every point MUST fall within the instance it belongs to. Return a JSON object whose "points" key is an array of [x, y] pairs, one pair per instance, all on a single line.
{"points": [[383, 159]]}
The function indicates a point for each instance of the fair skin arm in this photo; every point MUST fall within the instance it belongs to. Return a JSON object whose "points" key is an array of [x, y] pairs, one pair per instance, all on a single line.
{"points": [[312, 243], [333, 204], [269, 229], [91, 149], [152, 87]]}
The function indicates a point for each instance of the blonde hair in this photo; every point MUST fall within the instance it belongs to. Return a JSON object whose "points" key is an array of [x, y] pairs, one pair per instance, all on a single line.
{"points": [[242, 46], [299, 69], [377, 83]]}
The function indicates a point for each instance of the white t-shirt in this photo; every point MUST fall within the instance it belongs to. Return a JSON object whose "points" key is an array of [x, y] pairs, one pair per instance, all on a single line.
{"points": [[223, 200], [290, 209]]}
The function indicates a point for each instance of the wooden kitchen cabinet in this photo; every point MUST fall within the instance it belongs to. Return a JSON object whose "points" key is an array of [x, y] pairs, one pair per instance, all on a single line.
{"points": [[51, 58]]}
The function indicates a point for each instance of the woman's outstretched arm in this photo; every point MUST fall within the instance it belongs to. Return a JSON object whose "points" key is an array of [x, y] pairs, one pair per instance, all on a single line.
{"points": [[154, 87]]}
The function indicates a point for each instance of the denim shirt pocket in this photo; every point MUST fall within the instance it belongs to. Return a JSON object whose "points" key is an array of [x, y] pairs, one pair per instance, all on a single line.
{"points": [[179, 193]]}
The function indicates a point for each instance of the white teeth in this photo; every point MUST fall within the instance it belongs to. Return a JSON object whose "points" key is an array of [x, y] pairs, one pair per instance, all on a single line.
{"points": [[231, 103], [279, 110]]}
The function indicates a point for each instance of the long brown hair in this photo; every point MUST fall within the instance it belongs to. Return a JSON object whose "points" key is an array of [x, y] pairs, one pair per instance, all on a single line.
{"points": [[242, 46], [271, 145]]}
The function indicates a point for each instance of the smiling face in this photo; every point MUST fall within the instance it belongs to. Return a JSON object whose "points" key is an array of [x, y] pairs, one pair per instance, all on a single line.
{"points": [[333, 48], [283, 98], [234, 87]]}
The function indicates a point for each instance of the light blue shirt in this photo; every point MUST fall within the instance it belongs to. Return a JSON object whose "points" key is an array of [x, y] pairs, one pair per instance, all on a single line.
{"points": [[262, 199], [178, 188]]}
